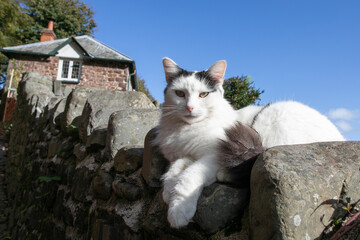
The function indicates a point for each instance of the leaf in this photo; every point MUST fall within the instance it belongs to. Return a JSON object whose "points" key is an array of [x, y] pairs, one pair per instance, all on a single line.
{"points": [[58, 152], [49, 179], [348, 207], [71, 126]]}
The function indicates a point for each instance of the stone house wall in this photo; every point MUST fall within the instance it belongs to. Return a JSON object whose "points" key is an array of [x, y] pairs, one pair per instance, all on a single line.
{"points": [[104, 74], [109, 75]]}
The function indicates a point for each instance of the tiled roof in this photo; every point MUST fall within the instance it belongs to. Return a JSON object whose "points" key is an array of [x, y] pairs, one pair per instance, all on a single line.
{"points": [[93, 48]]}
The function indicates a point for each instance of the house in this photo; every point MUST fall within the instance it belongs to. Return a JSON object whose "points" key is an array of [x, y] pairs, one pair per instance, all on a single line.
{"points": [[74, 61]]}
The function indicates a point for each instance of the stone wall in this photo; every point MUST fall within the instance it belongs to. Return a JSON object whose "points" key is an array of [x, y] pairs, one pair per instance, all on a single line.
{"points": [[109, 75], [82, 166]]}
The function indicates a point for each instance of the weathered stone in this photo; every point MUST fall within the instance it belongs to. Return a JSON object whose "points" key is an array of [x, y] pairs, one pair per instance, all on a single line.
{"points": [[58, 206], [97, 139], [132, 213], [55, 113], [75, 102], [101, 185], [129, 127], [236, 230], [82, 181], [35, 78], [218, 205], [57, 88], [50, 109], [154, 164], [101, 104], [36, 89], [126, 190], [80, 151], [53, 147], [128, 159], [156, 216], [293, 188]]}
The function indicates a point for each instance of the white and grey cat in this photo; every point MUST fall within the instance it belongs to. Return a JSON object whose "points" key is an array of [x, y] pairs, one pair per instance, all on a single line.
{"points": [[195, 116]]}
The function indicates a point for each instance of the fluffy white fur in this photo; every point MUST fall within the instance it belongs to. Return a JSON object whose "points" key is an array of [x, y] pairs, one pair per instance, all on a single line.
{"points": [[191, 125]]}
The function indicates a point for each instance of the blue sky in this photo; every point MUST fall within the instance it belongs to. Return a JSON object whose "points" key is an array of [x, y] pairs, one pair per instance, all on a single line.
{"points": [[303, 50]]}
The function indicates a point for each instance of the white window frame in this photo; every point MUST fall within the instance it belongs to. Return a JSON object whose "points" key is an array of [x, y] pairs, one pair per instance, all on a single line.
{"points": [[71, 63]]}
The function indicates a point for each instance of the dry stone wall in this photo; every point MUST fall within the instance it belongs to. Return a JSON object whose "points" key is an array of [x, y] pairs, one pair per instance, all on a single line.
{"points": [[77, 169], [82, 166]]}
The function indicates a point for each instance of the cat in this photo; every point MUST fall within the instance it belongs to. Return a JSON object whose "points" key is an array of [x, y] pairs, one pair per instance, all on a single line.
{"points": [[194, 119]]}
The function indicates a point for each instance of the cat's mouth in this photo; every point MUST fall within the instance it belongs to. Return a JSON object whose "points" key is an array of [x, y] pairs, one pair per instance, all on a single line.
{"points": [[192, 118]]}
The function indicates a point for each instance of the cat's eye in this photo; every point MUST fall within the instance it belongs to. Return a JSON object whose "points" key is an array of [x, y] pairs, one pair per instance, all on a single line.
{"points": [[179, 93], [203, 94]]}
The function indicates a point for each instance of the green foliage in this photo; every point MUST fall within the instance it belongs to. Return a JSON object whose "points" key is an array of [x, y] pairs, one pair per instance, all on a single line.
{"points": [[240, 92], [17, 73], [72, 18], [49, 179], [12, 22], [8, 128], [142, 88], [71, 127]]}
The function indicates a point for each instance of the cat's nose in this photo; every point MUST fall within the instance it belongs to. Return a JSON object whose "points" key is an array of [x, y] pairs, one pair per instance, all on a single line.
{"points": [[190, 109]]}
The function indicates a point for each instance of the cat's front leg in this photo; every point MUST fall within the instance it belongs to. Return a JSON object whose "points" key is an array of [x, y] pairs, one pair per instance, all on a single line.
{"points": [[186, 192], [170, 178]]}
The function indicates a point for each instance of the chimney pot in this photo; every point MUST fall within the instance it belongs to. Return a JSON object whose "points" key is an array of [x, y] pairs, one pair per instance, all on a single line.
{"points": [[51, 24]]}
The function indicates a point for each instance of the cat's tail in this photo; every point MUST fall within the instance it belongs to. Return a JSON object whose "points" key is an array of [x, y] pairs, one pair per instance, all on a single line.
{"points": [[237, 154]]}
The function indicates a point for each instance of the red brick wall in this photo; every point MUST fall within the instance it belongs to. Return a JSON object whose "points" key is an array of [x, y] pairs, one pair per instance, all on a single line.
{"points": [[94, 73], [109, 75], [44, 65]]}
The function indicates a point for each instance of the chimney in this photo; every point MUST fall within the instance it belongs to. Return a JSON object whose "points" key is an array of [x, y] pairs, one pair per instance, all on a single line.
{"points": [[48, 34]]}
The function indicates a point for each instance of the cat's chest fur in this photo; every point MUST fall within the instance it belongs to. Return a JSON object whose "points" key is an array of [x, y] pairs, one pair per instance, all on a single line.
{"points": [[190, 141]]}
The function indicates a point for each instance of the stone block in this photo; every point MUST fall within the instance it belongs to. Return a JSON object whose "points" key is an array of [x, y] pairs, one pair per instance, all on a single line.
{"points": [[56, 113], [35, 78], [97, 138], [126, 190], [129, 127], [82, 179], [128, 159], [101, 104], [154, 164], [218, 205], [101, 185], [75, 103], [36, 90], [80, 151], [294, 188]]}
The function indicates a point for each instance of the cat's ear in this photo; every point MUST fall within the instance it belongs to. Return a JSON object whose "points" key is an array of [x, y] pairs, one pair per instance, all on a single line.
{"points": [[217, 71], [170, 68]]}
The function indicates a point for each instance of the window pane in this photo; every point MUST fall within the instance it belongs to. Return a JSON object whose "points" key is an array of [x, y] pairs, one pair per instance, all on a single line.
{"points": [[75, 70], [65, 69]]}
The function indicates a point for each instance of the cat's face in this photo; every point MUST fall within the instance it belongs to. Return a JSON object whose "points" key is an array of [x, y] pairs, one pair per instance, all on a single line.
{"points": [[192, 96]]}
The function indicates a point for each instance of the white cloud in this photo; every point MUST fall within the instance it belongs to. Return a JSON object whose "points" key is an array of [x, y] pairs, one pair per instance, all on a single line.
{"points": [[346, 120], [343, 114], [344, 126]]}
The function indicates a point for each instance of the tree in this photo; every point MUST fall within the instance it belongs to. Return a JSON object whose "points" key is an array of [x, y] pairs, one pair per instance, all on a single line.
{"points": [[142, 88], [240, 92], [72, 18], [12, 22]]}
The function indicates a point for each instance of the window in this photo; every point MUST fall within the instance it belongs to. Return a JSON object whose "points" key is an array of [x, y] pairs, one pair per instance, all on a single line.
{"points": [[69, 70]]}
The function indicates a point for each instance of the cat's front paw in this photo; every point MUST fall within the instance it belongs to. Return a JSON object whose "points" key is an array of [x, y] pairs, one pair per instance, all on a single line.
{"points": [[180, 213], [168, 188]]}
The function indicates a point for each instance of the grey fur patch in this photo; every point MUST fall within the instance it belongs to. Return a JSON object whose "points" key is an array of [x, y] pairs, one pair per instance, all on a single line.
{"points": [[239, 152]]}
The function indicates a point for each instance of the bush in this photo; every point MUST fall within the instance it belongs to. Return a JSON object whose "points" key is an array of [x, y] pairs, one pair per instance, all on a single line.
{"points": [[240, 92]]}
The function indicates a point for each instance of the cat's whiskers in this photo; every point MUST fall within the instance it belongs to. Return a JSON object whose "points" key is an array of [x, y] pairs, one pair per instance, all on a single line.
{"points": [[169, 111]]}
